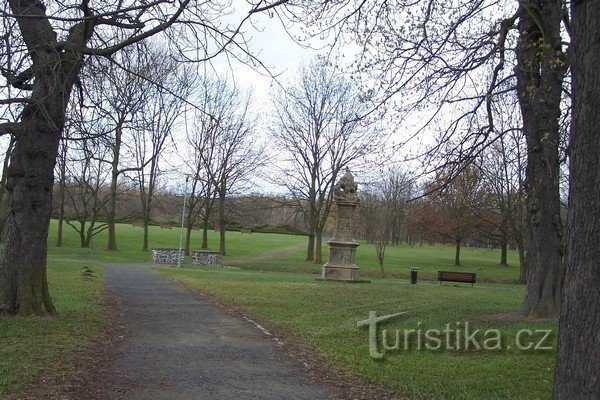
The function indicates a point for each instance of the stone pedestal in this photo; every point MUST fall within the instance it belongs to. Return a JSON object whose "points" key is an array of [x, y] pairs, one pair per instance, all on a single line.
{"points": [[342, 247]]}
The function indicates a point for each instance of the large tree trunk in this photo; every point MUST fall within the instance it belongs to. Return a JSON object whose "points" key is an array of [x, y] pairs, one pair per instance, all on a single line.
{"points": [[23, 282], [24, 287], [540, 73], [576, 373]]}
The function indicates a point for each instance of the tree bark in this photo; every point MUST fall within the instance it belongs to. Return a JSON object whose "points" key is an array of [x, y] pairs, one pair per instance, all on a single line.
{"points": [[82, 238], [503, 254], [205, 234], [61, 220], [319, 247], [310, 250], [5, 167], [23, 281], [222, 221], [188, 238], [576, 373], [540, 72], [112, 199], [145, 238], [522, 262], [457, 254], [24, 289]]}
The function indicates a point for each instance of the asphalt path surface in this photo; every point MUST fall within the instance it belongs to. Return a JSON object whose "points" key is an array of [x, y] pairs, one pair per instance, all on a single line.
{"points": [[176, 345]]}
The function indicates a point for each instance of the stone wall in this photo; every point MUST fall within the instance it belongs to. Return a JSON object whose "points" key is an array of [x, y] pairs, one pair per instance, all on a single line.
{"points": [[203, 257], [166, 256]]}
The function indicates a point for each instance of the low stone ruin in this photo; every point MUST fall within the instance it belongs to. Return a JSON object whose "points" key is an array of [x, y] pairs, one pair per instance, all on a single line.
{"points": [[167, 256], [205, 257]]}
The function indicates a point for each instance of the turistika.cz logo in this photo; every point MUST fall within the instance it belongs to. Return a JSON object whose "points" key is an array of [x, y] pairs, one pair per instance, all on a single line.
{"points": [[458, 336]]}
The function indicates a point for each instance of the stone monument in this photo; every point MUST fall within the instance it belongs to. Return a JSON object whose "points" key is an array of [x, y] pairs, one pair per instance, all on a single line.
{"points": [[342, 247]]}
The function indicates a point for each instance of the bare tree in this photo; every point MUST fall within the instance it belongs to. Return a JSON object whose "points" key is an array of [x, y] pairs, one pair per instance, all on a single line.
{"points": [[382, 234], [225, 153], [395, 188], [45, 48], [118, 89], [318, 128], [503, 170], [234, 157], [85, 189], [202, 194], [162, 104]]}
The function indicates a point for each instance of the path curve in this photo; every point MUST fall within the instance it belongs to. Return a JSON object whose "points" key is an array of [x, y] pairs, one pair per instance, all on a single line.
{"points": [[178, 346]]}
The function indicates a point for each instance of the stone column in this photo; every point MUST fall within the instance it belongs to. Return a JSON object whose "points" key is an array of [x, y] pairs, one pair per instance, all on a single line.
{"points": [[342, 247]]}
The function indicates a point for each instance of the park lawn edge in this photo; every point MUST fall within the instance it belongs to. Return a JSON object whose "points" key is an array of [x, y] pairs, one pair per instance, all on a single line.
{"points": [[70, 346]]}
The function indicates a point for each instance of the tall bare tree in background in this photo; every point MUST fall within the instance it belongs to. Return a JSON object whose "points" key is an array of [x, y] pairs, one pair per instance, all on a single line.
{"points": [[202, 191], [225, 153], [234, 154], [503, 169], [118, 89], [164, 98], [319, 127], [387, 205], [452, 62], [85, 194], [45, 47]]}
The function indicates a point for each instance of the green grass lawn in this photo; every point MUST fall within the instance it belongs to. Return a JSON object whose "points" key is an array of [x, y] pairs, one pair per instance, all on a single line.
{"points": [[325, 314], [278, 252], [35, 347], [276, 284]]}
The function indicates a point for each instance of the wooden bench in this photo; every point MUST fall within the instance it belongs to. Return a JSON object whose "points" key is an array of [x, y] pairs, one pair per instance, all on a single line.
{"points": [[165, 226], [465, 277]]}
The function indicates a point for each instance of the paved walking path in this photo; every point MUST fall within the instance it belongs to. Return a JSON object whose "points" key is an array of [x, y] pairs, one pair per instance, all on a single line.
{"points": [[178, 346]]}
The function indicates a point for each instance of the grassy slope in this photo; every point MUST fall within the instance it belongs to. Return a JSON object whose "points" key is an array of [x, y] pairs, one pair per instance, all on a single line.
{"points": [[286, 253], [35, 347], [325, 314]]}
